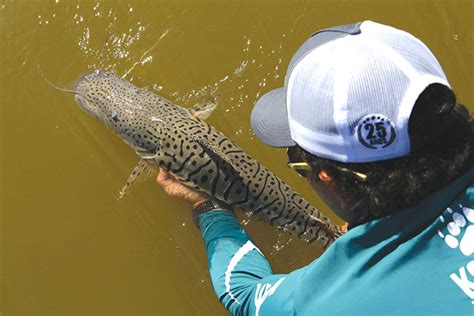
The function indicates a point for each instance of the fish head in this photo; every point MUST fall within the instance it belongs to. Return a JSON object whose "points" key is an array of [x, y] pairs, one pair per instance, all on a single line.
{"points": [[122, 107]]}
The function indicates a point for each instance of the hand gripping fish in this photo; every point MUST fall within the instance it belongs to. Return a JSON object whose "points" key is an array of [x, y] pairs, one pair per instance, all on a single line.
{"points": [[178, 140]]}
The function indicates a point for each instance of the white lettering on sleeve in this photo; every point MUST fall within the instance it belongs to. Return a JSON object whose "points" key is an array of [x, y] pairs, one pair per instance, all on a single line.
{"points": [[263, 292], [246, 248]]}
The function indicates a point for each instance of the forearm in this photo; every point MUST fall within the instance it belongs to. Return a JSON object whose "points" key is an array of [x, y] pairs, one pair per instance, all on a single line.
{"points": [[227, 246], [241, 276]]}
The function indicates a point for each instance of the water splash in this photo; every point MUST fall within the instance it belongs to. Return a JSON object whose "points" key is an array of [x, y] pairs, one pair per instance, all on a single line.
{"points": [[163, 35], [255, 56]]}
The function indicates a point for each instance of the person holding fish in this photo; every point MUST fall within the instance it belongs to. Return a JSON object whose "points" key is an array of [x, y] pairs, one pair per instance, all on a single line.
{"points": [[370, 120]]}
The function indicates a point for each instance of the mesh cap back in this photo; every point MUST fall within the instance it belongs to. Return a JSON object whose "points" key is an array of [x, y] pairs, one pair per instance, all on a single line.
{"points": [[349, 94]]}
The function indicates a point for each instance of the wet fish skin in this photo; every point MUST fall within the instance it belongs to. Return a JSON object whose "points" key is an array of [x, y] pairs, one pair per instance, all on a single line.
{"points": [[200, 156]]}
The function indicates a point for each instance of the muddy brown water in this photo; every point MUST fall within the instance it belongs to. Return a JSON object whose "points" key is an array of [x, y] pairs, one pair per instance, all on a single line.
{"points": [[67, 245]]}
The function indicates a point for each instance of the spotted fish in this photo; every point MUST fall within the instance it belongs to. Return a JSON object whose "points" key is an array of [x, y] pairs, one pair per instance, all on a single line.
{"points": [[172, 137]]}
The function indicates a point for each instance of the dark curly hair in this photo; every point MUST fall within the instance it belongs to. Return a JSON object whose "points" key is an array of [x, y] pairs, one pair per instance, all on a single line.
{"points": [[442, 149]]}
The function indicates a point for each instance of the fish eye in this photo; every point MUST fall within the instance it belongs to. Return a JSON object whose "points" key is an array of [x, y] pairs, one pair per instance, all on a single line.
{"points": [[115, 116]]}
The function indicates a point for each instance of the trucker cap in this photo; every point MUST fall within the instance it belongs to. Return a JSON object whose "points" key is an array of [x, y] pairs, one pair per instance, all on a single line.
{"points": [[348, 94]]}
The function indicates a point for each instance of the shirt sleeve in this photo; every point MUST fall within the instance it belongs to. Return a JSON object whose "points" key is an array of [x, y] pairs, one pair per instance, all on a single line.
{"points": [[241, 275]]}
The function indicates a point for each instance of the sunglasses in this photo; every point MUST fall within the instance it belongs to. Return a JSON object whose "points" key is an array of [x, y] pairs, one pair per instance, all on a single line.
{"points": [[297, 163]]}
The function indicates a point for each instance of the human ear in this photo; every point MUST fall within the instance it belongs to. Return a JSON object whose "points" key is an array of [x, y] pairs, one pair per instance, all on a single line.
{"points": [[324, 176]]}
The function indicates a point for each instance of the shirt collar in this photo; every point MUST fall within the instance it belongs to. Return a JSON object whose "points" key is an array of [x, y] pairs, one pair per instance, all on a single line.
{"points": [[410, 221]]}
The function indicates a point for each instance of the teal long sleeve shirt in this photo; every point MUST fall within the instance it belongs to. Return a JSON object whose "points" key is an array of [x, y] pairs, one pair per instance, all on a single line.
{"points": [[417, 262]]}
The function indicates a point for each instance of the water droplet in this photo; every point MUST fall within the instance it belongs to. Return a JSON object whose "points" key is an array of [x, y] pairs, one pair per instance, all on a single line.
{"points": [[147, 60]]}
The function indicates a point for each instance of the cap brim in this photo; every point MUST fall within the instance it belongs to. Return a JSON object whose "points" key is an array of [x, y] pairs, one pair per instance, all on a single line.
{"points": [[269, 119]]}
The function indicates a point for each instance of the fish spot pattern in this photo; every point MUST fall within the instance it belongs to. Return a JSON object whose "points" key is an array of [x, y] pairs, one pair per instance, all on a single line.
{"points": [[200, 156]]}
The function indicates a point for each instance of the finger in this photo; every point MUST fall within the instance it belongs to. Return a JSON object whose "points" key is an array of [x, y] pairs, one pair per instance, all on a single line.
{"points": [[170, 185], [344, 227]]}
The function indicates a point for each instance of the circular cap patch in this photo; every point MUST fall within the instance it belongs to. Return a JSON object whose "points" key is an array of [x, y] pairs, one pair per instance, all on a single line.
{"points": [[375, 131]]}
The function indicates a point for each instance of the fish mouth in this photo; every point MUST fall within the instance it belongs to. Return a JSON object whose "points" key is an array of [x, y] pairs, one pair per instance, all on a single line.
{"points": [[81, 98], [84, 104]]}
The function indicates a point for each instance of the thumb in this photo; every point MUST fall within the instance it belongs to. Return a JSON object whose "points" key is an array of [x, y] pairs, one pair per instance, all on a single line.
{"points": [[164, 178]]}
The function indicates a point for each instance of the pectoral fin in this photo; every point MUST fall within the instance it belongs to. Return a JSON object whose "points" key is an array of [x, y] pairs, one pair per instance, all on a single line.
{"points": [[136, 172], [204, 109], [216, 151]]}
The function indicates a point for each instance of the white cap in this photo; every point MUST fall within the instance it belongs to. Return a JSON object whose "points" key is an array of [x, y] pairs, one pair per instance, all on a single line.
{"points": [[349, 92]]}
